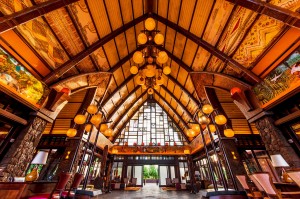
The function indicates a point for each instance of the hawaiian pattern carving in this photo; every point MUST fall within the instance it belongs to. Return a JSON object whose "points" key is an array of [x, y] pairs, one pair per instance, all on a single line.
{"points": [[10, 6], [275, 142], [22, 151]]}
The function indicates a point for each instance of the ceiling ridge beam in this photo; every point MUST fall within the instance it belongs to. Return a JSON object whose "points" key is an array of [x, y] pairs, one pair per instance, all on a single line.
{"points": [[120, 118], [208, 47], [288, 17], [184, 135], [123, 101], [58, 72], [8, 22], [125, 123], [177, 101]]}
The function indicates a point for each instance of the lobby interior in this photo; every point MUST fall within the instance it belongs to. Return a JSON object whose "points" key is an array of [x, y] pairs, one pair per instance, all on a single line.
{"points": [[128, 98]]}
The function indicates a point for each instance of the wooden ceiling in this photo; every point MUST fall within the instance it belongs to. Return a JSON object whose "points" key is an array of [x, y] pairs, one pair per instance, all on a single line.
{"points": [[58, 41]]}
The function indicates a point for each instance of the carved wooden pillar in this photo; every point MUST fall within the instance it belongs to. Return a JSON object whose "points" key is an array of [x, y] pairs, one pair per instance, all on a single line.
{"points": [[234, 160], [275, 142], [22, 150]]}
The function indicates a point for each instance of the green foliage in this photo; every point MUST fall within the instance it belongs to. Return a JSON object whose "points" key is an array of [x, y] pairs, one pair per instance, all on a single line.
{"points": [[146, 173], [150, 173]]}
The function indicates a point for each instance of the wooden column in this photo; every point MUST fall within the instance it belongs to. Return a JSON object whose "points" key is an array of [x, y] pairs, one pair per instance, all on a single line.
{"points": [[22, 150], [275, 142]]}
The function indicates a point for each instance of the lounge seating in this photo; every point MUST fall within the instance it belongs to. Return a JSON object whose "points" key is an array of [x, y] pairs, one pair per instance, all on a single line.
{"points": [[249, 190], [295, 175], [133, 182]]}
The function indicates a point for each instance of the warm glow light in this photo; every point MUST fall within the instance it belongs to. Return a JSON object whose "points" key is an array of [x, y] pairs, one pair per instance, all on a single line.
{"points": [[220, 119], [108, 133], [228, 133], [162, 57], [167, 70], [88, 128], [80, 119], [140, 80], [144, 87], [150, 71], [191, 133], [204, 120], [114, 151], [235, 90], [134, 70], [142, 38], [207, 109], [71, 132], [92, 109], [138, 57], [96, 119], [66, 91], [150, 91], [103, 127], [150, 24], [200, 113], [156, 86], [159, 39], [212, 128], [160, 80], [186, 151], [196, 128]]}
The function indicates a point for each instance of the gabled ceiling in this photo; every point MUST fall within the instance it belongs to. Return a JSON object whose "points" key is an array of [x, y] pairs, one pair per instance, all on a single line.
{"points": [[65, 39]]}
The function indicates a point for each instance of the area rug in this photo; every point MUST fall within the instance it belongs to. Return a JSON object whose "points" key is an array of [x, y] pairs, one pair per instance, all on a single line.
{"points": [[132, 188], [169, 188]]}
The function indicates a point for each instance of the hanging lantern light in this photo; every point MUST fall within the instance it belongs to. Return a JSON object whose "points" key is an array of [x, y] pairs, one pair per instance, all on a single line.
{"points": [[88, 128], [92, 109], [228, 132], [140, 80], [191, 133], [134, 70], [108, 132], [159, 80], [159, 39], [71, 132], [207, 109], [80, 119], [204, 120], [167, 70], [212, 128], [144, 87], [150, 24], [96, 119], [200, 113], [103, 127], [220, 119], [235, 90], [66, 91], [155, 86], [138, 57], [150, 71], [142, 38], [150, 91], [196, 128], [162, 57]]}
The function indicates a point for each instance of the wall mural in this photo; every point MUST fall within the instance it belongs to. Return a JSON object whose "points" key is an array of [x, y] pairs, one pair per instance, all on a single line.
{"points": [[283, 79], [17, 79]]}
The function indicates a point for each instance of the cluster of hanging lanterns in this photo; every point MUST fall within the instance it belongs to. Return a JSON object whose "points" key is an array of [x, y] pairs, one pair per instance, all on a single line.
{"points": [[96, 120], [203, 119], [148, 75]]}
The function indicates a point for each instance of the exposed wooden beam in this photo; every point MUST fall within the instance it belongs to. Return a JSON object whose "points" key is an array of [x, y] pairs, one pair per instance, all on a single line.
{"points": [[58, 72], [220, 55], [169, 105], [177, 101], [125, 123], [122, 102], [8, 22], [288, 17]]}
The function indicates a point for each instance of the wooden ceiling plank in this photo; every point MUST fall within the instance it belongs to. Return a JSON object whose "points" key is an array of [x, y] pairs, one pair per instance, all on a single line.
{"points": [[288, 17], [8, 22], [223, 57], [80, 56]]}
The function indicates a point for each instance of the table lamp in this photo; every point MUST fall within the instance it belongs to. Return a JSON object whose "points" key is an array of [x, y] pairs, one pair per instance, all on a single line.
{"points": [[278, 161], [39, 159]]}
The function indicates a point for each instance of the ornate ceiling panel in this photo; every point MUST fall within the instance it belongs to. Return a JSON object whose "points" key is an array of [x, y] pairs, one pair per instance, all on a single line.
{"points": [[9, 7]]}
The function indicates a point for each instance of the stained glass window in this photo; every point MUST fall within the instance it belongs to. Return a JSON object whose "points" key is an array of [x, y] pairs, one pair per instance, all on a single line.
{"points": [[151, 125]]}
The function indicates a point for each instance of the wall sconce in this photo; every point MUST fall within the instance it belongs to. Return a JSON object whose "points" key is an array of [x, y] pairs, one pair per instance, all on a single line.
{"points": [[114, 151], [186, 151], [233, 155], [68, 155]]}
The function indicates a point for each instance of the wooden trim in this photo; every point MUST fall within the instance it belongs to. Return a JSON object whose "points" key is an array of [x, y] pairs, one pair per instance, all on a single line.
{"points": [[13, 117], [287, 118]]}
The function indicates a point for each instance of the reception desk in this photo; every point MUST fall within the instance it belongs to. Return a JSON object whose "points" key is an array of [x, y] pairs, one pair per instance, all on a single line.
{"points": [[21, 190]]}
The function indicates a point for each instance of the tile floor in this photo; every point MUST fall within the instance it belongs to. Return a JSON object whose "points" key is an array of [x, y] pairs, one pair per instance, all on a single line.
{"points": [[149, 191]]}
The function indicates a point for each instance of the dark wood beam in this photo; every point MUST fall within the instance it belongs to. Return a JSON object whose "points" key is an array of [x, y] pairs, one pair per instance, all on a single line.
{"points": [[178, 102], [8, 22], [288, 17], [58, 72], [123, 101], [220, 55], [126, 122], [169, 105]]}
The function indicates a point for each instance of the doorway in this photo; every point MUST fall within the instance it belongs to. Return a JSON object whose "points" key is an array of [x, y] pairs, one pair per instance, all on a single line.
{"points": [[150, 174]]}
